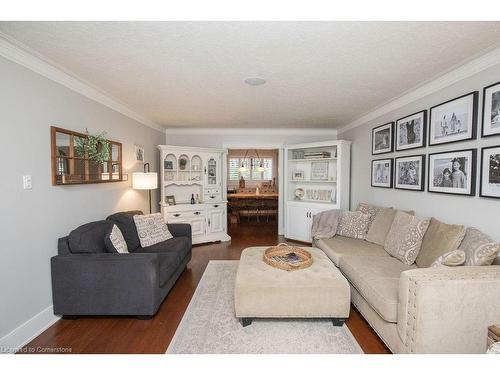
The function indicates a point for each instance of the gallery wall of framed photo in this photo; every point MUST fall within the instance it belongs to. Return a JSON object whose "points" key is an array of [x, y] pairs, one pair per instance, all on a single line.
{"points": [[439, 155]]}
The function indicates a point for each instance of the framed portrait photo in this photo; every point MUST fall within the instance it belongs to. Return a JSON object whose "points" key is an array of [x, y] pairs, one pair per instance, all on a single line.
{"points": [[139, 153], [490, 172], [491, 110], [453, 172], [382, 139], [382, 173], [411, 131], [454, 120], [298, 175], [409, 173]]}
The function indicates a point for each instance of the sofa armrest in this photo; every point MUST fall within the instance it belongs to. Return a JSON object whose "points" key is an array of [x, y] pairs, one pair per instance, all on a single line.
{"points": [[105, 284], [448, 309], [180, 230]]}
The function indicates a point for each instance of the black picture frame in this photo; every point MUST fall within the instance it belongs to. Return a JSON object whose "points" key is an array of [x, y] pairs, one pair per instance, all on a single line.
{"points": [[483, 135], [424, 131], [481, 180], [374, 130], [475, 100], [422, 172], [391, 177], [473, 163]]}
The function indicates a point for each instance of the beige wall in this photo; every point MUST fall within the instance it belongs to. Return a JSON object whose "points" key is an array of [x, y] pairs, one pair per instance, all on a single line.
{"points": [[473, 211], [33, 220]]}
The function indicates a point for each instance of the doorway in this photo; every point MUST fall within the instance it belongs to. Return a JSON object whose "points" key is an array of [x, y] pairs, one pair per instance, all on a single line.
{"points": [[253, 190]]}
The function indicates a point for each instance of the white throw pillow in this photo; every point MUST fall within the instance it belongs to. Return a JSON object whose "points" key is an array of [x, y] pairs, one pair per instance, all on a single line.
{"points": [[151, 229], [115, 242]]}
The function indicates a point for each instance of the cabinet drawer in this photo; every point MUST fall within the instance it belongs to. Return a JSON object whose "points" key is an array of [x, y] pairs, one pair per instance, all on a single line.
{"points": [[212, 197], [212, 191], [185, 215]]}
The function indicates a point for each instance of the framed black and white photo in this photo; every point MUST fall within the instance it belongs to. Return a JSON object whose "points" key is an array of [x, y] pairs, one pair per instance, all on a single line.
{"points": [[382, 139], [297, 175], [382, 173], [454, 120], [491, 110], [411, 130], [490, 172], [139, 153], [453, 172], [409, 173]]}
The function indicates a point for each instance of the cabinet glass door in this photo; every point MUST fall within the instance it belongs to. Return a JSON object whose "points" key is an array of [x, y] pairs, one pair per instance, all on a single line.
{"points": [[212, 177]]}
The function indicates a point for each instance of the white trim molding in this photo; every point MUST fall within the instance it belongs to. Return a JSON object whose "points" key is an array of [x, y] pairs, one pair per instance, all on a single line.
{"points": [[464, 71], [27, 331], [251, 131], [15, 51]]}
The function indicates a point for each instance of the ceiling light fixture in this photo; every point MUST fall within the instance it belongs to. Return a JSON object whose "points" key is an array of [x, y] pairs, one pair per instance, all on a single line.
{"points": [[255, 81]]}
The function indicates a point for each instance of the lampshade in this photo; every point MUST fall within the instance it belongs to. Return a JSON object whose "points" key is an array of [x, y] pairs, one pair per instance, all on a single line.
{"points": [[144, 180]]}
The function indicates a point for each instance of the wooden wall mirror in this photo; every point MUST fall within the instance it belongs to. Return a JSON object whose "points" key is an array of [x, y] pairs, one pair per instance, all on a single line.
{"points": [[71, 166]]}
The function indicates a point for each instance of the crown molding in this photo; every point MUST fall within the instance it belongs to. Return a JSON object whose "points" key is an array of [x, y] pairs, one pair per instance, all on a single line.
{"points": [[251, 131], [15, 51], [464, 71]]}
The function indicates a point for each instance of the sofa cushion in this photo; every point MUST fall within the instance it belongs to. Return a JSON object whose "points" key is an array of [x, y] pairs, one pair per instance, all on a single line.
{"points": [[89, 238], [126, 224], [451, 259], [405, 237], [480, 249], [377, 280], [439, 238], [171, 253], [353, 224], [115, 243], [340, 246], [151, 229]]}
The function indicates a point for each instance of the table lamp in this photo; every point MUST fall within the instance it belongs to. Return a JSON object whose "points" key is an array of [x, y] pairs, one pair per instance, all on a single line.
{"points": [[145, 181]]}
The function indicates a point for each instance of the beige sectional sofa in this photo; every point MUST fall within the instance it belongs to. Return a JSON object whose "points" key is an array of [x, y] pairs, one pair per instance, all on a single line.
{"points": [[418, 310]]}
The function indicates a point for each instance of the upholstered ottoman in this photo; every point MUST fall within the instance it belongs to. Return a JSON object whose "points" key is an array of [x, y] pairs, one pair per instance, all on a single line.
{"points": [[262, 291]]}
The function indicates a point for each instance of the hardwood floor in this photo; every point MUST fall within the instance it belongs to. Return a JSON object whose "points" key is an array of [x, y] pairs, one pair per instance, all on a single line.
{"points": [[127, 335]]}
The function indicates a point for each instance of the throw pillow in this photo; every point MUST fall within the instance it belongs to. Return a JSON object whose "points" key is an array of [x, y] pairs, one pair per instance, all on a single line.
{"points": [[353, 224], [451, 259], [405, 237], [126, 224], [370, 210], [440, 238], [381, 225], [480, 249], [152, 229], [89, 238], [115, 243]]}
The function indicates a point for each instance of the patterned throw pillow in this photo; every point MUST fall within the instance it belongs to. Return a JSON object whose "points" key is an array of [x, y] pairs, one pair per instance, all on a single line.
{"points": [[151, 229], [353, 224], [480, 249], [405, 237], [115, 243], [370, 210], [451, 259]]}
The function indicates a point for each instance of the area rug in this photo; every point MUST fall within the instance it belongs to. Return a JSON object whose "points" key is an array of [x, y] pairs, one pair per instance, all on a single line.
{"points": [[209, 325]]}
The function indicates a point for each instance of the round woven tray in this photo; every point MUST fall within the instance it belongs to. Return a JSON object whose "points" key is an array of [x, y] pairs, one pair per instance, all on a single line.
{"points": [[275, 256]]}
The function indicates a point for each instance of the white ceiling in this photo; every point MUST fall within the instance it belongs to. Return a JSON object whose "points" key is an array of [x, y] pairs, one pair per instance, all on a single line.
{"points": [[319, 74]]}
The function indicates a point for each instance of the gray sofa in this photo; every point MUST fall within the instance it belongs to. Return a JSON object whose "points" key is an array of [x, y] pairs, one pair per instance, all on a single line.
{"points": [[87, 279]]}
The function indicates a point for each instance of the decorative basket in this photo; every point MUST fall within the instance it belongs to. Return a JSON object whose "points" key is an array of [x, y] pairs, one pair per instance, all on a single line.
{"points": [[288, 258]]}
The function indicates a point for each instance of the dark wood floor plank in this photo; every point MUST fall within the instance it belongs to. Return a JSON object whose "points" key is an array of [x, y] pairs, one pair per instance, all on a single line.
{"points": [[130, 335]]}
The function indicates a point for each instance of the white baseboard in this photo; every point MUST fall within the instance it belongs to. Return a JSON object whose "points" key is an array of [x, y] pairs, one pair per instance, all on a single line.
{"points": [[27, 331]]}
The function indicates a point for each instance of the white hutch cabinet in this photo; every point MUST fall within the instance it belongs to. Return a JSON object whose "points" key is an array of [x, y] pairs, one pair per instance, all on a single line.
{"points": [[195, 172], [316, 179]]}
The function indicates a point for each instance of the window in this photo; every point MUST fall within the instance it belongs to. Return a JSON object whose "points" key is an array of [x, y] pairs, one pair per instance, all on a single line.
{"points": [[251, 169]]}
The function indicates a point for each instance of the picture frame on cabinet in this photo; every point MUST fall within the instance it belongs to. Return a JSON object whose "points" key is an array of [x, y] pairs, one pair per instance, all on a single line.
{"points": [[409, 173], [297, 175], [170, 199], [381, 173], [491, 110], [383, 139], [452, 172], [454, 120], [168, 164], [490, 172], [319, 170], [411, 131]]}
